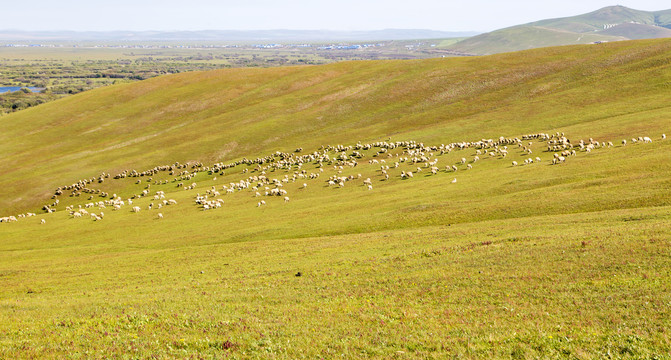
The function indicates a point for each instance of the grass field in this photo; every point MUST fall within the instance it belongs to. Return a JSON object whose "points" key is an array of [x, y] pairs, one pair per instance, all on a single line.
{"points": [[534, 260]]}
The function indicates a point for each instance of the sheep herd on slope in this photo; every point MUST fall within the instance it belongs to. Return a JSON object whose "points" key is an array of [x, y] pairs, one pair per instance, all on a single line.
{"points": [[389, 157]]}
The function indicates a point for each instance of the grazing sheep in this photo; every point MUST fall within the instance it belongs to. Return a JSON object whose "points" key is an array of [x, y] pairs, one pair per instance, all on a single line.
{"points": [[647, 139], [160, 215], [514, 163], [663, 136], [43, 221], [454, 181], [286, 199], [136, 209]]}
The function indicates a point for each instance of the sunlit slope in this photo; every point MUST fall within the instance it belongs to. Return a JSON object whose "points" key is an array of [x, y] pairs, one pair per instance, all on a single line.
{"points": [[606, 90], [494, 261], [489, 256]]}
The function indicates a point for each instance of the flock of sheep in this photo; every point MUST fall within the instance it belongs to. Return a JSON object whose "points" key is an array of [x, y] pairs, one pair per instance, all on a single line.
{"points": [[404, 159]]}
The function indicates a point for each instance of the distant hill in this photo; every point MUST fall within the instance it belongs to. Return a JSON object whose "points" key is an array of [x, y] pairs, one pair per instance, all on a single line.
{"points": [[611, 23], [230, 35]]}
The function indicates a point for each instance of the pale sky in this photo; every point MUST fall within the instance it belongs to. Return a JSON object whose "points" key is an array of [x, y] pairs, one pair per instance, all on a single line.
{"points": [[448, 15]]}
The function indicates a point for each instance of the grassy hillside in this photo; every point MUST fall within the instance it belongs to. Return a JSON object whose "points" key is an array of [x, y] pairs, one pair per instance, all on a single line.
{"points": [[527, 37], [229, 114], [607, 24], [499, 260]]}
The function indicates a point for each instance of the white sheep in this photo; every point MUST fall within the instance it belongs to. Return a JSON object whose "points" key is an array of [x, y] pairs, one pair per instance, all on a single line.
{"points": [[136, 209], [160, 215], [558, 159], [286, 199], [43, 221]]}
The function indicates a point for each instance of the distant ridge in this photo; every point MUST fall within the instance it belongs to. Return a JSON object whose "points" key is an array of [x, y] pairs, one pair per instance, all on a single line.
{"points": [[611, 23], [637, 31], [229, 35]]}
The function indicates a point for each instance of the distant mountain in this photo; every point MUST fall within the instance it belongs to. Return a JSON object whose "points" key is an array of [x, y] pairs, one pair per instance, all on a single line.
{"points": [[611, 23], [230, 35]]}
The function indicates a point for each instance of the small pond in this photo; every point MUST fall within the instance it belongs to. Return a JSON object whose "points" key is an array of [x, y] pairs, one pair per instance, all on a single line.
{"points": [[4, 89]]}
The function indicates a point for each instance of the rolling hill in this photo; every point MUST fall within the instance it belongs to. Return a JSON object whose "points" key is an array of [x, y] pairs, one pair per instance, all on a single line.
{"points": [[233, 113], [270, 213], [608, 24]]}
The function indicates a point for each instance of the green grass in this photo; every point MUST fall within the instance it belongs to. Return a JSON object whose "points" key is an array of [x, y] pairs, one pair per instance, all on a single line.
{"points": [[470, 290], [528, 261]]}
